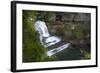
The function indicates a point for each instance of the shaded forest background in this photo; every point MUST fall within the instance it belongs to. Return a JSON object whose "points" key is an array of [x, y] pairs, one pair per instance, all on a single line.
{"points": [[69, 26]]}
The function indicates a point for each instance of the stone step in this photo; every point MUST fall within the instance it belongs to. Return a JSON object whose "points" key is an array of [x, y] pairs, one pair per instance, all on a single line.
{"points": [[57, 45]]}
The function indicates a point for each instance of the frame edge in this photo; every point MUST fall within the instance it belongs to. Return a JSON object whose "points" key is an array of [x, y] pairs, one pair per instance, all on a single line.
{"points": [[13, 36]]}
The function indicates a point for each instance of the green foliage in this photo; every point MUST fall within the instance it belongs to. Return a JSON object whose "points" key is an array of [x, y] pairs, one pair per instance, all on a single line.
{"points": [[33, 51]]}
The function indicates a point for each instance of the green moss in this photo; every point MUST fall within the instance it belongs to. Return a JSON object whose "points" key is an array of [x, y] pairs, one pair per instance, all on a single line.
{"points": [[33, 51]]}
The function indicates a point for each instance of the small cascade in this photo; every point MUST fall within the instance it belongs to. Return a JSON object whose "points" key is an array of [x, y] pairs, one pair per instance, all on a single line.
{"points": [[47, 40]]}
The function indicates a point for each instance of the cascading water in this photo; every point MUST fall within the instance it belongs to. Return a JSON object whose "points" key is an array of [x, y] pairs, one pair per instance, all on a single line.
{"points": [[44, 34], [49, 40]]}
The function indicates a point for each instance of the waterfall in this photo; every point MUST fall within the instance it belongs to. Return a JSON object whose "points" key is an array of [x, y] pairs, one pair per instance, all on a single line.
{"points": [[49, 40]]}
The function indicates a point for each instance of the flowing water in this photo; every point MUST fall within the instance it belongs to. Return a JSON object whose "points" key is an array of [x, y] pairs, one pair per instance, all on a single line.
{"points": [[50, 40]]}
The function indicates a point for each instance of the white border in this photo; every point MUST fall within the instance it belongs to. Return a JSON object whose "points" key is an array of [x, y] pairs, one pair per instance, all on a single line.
{"points": [[37, 65]]}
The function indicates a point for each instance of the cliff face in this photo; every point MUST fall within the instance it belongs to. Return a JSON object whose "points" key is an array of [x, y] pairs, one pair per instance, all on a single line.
{"points": [[71, 16], [76, 17]]}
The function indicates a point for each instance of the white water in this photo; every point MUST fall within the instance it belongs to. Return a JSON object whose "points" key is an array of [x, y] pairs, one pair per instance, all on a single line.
{"points": [[56, 50], [42, 29]]}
